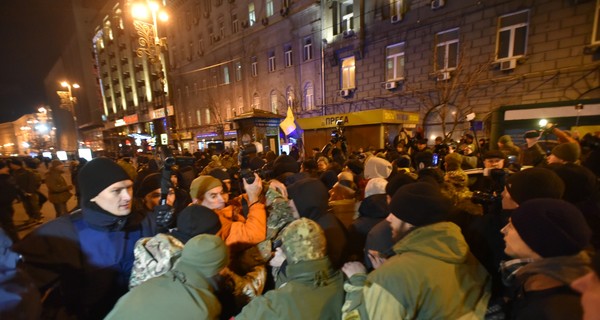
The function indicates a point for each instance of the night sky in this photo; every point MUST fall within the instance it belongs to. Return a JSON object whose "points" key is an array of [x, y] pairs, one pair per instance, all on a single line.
{"points": [[33, 33]]}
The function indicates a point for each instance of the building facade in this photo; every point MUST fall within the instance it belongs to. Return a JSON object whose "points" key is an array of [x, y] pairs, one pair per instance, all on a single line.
{"points": [[439, 60]]}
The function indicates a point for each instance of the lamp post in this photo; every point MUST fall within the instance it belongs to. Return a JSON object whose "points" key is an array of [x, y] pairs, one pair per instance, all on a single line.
{"points": [[71, 105], [151, 45]]}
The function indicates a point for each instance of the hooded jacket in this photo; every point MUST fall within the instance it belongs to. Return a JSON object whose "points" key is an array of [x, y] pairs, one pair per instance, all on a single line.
{"points": [[88, 254], [182, 293], [432, 276], [313, 291]]}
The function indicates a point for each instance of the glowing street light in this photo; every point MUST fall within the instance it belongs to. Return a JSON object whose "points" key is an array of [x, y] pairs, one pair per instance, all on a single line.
{"points": [[150, 44], [71, 105]]}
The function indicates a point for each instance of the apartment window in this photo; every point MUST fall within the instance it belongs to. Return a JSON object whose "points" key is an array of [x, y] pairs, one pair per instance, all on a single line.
{"points": [[251, 14], [200, 51], [235, 23], [273, 100], [596, 32], [446, 50], [270, 8], [289, 97], [198, 117], [512, 35], [228, 112], [240, 105], [347, 15], [394, 65], [287, 54], [226, 75], [238, 71], [256, 101], [309, 96], [207, 115], [254, 67], [222, 28], [272, 61], [307, 52], [397, 8], [348, 73]]}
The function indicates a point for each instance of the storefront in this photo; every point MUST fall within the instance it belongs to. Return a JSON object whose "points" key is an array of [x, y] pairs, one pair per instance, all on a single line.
{"points": [[259, 126], [362, 129]]}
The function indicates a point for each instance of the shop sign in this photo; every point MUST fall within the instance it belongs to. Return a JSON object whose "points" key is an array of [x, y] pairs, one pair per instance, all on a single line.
{"points": [[120, 122], [130, 119], [368, 117], [160, 113], [267, 122], [164, 140]]}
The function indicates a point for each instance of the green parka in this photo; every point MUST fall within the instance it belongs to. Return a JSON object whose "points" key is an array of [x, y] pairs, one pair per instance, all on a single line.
{"points": [[433, 276], [313, 291]]}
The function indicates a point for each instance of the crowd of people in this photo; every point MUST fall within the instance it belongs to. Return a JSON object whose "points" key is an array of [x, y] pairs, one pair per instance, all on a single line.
{"points": [[411, 231]]}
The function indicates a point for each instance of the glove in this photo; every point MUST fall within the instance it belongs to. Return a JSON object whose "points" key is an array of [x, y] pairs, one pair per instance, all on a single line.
{"points": [[164, 216]]}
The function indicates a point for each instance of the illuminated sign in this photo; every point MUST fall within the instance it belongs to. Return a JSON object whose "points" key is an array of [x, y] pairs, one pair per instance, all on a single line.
{"points": [[160, 113], [163, 139], [120, 122], [131, 119], [378, 116]]}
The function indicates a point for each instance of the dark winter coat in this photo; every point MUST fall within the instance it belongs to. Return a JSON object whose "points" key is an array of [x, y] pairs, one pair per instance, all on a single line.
{"points": [[88, 254]]}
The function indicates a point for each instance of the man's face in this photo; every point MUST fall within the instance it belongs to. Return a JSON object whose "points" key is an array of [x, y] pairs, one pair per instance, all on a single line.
{"points": [[152, 199], [213, 198], [322, 166], [116, 198], [507, 201], [554, 159], [493, 163], [589, 287], [515, 246], [399, 227]]}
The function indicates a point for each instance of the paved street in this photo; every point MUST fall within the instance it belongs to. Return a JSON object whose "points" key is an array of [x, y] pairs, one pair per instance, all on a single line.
{"points": [[47, 210]]}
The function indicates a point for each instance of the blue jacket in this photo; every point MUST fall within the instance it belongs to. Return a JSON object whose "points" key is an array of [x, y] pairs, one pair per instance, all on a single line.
{"points": [[88, 255]]}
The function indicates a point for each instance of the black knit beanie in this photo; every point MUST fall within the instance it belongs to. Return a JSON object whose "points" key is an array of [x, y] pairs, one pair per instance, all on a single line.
{"points": [[580, 182], [310, 197], [283, 164], [420, 204], [551, 227], [534, 183], [150, 183], [97, 175], [195, 220]]}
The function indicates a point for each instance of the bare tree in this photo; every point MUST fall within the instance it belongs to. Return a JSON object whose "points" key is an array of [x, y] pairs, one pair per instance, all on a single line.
{"points": [[447, 99]]}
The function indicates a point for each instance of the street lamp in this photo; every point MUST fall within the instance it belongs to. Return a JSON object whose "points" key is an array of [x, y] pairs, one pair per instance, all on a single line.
{"points": [[151, 45], [72, 101]]}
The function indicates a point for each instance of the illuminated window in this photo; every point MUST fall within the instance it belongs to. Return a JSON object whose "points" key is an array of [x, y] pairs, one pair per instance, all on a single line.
{"points": [[269, 6], [394, 65], [307, 53], [251, 14], [348, 73]]}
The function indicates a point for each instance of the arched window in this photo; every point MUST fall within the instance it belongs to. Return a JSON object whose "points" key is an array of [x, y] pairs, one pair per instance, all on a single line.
{"points": [[273, 100], [309, 96]]}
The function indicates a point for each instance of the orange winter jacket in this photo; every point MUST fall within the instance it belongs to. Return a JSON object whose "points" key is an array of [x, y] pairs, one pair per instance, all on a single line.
{"points": [[239, 230]]}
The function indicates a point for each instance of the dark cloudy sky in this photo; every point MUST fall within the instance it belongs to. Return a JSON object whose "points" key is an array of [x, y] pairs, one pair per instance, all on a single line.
{"points": [[32, 33]]}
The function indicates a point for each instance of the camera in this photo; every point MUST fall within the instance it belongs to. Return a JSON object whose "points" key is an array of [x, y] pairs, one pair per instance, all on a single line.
{"points": [[337, 134], [245, 160], [492, 197]]}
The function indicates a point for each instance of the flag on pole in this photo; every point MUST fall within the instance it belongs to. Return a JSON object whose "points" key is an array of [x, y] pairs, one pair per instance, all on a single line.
{"points": [[287, 125]]}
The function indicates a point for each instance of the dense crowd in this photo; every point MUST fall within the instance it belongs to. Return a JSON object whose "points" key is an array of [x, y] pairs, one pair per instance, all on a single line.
{"points": [[449, 231]]}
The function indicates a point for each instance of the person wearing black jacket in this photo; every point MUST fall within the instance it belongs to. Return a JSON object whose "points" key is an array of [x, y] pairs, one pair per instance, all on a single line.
{"points": [[9, 194], [82, 261]]}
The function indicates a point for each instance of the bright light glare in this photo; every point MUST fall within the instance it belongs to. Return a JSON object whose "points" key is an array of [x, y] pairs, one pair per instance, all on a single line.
{"points": [[41, 128], [543, 122], [76, 85], [153, 6], [64, 84], [25, 145], [163, 16], [139, 11]]}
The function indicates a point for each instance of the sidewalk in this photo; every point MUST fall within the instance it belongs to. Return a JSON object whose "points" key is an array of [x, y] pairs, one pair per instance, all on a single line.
{"points": [[47, 210]]}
